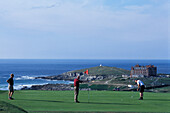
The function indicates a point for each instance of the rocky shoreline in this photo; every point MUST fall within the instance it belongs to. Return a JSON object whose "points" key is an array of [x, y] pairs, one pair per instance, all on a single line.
{"points": [[50, 87], [57, 77]]}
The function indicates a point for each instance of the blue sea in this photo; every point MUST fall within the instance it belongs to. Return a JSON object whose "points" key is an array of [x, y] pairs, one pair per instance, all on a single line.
{"points": [[25, 70]]}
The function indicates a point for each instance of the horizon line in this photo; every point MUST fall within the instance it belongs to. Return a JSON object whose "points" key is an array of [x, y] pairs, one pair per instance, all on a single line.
{"points": [[72, 59]]}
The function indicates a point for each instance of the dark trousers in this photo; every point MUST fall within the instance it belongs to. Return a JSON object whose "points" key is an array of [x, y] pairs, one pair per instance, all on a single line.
{"points": [[142, 88]]}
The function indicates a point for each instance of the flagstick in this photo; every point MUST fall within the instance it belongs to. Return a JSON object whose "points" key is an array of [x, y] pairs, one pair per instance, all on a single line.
{"points": [[88, 92], [87, 73]]}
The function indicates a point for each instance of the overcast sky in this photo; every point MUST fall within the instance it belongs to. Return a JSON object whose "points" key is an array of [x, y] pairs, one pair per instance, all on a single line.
{"points": [[84, 29]]}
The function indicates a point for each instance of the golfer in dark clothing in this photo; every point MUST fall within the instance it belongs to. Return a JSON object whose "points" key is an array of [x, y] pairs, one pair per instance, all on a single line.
{"points": [[10, 86], [141, 88], [76, 88]]}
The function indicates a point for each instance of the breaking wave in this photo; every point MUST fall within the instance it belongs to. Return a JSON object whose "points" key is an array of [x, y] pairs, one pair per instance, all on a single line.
{"points": [[19, 87], [24, 78]]}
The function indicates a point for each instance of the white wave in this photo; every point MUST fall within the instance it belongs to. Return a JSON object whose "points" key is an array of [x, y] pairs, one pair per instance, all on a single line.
{"points": [[70, 82], [24, 78], [19, 87], [50, 80]]}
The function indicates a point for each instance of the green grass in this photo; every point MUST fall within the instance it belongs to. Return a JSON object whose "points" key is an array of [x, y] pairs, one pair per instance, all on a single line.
{"points": [[97, 87], [46, 101]]}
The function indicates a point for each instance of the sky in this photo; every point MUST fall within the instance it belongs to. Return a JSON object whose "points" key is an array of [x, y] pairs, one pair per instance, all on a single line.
{"points": [[84, 29]]}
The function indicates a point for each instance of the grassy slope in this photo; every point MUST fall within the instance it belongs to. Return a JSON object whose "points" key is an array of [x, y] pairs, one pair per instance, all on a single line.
{"points": [[104, 70], [9, 108], [99, 101]]}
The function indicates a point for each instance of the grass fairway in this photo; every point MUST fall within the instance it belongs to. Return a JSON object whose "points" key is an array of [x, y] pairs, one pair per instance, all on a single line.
{"points": [[103, 101]]}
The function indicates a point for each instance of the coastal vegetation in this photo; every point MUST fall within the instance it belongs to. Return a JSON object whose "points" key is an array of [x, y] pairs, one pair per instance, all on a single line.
{"points": [[103, 70]]}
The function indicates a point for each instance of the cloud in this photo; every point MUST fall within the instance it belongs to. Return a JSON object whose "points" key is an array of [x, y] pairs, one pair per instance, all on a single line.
{"points": [[120, 26], [63, 16], [44, 7], [138, 8]]}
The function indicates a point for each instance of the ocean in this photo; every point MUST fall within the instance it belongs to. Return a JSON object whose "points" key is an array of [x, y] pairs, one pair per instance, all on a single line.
{"points": [[25, 70]]}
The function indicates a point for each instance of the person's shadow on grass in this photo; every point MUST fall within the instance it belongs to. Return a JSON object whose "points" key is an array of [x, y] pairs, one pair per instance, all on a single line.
{"points": [[40, 100], [107, 103], [158, 99], [74, 102]]}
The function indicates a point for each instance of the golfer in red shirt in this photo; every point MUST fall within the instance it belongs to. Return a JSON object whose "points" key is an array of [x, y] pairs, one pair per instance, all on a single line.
{"points": [[76, 88]]}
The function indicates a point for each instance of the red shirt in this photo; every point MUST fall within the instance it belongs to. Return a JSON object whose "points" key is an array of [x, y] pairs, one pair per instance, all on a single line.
{"points": [[76, 82]]}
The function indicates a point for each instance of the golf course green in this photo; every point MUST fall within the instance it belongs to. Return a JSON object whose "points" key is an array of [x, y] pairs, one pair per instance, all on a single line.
{"points": [[100, 101]]}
